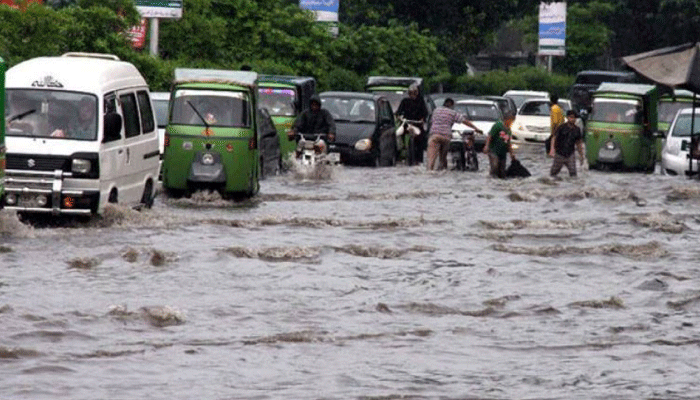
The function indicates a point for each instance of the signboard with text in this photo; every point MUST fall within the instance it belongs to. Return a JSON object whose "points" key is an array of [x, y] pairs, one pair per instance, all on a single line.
{"points": [[552, 32], [159, 8], [326, 11]]}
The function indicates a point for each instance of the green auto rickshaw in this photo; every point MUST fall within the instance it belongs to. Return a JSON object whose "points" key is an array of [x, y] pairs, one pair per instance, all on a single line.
{"points": [[285, 97], [3, 149], [211, 136], [621, 131]]}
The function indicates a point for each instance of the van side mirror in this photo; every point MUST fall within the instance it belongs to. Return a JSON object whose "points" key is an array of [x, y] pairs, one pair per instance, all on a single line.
{"points": [[112, 127]]}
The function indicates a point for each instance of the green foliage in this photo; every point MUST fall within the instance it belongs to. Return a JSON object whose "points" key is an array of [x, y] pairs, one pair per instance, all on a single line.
{"points": [[496, 82]]}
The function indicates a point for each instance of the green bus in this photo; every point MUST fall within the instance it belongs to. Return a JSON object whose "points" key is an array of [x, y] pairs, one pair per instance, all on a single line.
{"points": [[621, 131], [285, 97], [211, 137]]}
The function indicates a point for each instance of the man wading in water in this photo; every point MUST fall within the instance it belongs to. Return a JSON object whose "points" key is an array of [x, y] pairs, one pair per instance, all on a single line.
{"points": [[565, 139]]}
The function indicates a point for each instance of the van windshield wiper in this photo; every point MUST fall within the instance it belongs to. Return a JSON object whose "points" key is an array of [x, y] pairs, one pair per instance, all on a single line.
{"points": [[21, 115], [206, 125]]}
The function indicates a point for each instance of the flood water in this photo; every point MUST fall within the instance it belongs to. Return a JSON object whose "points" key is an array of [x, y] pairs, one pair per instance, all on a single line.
{"points": [[390, 283]]}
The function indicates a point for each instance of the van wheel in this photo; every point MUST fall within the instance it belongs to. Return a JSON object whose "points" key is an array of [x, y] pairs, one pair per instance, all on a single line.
{"points": [[113, 197], [147, 197]]}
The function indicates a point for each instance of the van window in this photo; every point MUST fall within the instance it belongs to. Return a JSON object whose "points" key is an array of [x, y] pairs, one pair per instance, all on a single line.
{"points": [[147, 123], [51, 114], [130, 114], [110, 103]]}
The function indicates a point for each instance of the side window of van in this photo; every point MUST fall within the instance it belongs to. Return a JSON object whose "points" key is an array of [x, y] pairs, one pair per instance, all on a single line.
{"points": [[146, 112], [110, 103], [131, 115]]}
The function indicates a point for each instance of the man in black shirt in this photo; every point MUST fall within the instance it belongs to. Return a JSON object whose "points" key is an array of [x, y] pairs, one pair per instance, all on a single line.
{"points": [[413, 108], [565, 140], [314, 120]]}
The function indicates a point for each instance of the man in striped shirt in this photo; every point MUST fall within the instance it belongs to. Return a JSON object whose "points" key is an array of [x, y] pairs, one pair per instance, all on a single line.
{"points": [[441, 133]]}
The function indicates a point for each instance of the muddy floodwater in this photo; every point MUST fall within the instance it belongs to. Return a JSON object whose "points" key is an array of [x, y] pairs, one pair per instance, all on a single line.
{"points": [[361, 283]]}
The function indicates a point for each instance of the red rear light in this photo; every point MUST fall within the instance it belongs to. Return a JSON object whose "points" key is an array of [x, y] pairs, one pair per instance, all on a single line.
{"points": [[166, 140], [252, 144]]}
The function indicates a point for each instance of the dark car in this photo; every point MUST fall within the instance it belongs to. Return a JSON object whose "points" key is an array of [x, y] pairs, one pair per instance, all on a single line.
{"points": [[365, 127], [588, 81], [268, 144]]}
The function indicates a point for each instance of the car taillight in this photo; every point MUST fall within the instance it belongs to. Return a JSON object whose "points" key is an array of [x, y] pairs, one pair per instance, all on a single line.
{"points": [[166, 140]]}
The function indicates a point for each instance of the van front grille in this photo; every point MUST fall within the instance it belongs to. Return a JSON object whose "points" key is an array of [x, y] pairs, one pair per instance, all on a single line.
{"points": [[37, 163]]}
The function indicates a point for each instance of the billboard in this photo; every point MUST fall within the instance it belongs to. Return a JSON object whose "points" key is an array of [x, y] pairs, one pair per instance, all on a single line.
{"points": [[552, 32], [325, 10], [159, 8]]}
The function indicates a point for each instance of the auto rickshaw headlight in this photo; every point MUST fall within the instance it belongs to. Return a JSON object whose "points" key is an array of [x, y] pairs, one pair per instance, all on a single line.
{"points": [[363, 145], [609, 145], [81, 166], [207, 159], [11, 199]]}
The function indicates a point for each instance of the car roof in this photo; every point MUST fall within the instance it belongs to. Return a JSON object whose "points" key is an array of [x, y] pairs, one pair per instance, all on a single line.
{"points": [[160, 95], [607, 73], [353, 95], [689, 110], [526, 92], [477, 101]]}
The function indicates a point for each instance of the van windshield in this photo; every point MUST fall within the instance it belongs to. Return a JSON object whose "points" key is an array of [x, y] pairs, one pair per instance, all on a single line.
{"points": [[616, 110], [217, 107], [277, 101], [682, 125], [51, 114]]}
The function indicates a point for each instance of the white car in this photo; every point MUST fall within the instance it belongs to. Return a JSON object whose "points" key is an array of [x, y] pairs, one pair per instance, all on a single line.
{"points": [[160, 107], [482, 113], [674, 155], [533, 122], [519, 96]]}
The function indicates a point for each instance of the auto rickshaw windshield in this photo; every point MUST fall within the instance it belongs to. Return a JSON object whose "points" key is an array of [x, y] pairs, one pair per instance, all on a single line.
{"points": [[616, 110], [279, 102], [216, 107]]}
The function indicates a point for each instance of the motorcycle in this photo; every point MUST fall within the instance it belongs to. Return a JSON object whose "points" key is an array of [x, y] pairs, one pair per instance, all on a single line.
{"points": [[406, 136], [312, 149], [463, 151]]}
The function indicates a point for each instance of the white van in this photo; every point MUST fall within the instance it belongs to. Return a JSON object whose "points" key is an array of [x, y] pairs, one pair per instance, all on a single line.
{"points": [[81, 133]]}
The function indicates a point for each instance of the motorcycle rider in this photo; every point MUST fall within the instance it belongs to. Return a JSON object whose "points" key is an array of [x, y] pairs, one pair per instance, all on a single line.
{"points": [[314, 120], [413, 108]]}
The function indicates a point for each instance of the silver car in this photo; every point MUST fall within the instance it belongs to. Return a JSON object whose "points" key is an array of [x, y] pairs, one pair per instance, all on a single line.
{"points": [[674, 156]]}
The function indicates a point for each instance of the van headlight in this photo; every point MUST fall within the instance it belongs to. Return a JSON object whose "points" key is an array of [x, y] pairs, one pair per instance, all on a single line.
{"points": [[81, 166], [363, 145]]}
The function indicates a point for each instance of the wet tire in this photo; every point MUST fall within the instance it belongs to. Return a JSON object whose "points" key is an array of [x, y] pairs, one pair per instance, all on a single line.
{"points": [[472, 162], [387, 151], [411, 151], [113, 197], [148, 195]]}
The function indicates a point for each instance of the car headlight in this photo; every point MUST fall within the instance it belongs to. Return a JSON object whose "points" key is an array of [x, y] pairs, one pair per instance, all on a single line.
{"points": [[81, 166], [363, 145]]}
